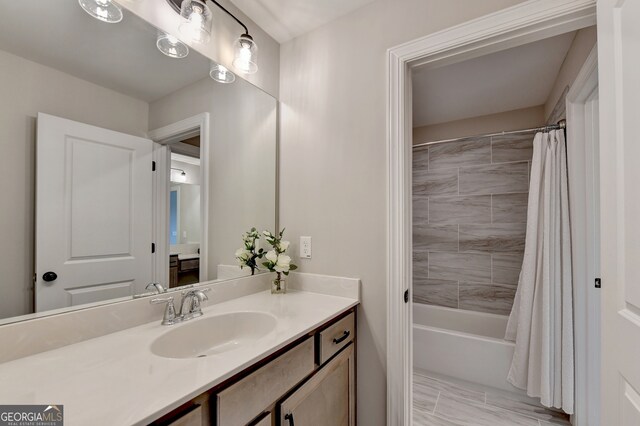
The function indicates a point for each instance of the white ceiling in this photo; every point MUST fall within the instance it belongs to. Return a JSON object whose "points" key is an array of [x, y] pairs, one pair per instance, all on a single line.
{"points": [[512, 79], [286, 19], [122, 57]]}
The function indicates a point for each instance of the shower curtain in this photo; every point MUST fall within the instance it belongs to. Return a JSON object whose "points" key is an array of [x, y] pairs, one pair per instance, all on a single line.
{"points": [[541, 320]]}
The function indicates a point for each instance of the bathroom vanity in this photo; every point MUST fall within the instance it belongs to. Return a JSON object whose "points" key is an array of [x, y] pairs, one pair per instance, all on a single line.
{"points": [[251, 358], [309, 382]]}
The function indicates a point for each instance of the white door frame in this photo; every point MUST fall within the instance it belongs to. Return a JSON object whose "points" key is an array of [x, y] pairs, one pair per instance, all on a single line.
{"points": [[163, 136], [524, 23], [582, 153]]}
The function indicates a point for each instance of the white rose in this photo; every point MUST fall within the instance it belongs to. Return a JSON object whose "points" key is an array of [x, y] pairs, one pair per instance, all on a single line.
{"points": [[283, 246], [272, 256], [243, 254], [283, 263]]}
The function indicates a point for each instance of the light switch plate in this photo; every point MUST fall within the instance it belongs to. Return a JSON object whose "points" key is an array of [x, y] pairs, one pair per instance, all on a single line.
{"points": [[305, 247]]}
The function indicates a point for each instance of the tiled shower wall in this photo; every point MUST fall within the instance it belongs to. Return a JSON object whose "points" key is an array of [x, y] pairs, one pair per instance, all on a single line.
{"points": [[469, 221]]}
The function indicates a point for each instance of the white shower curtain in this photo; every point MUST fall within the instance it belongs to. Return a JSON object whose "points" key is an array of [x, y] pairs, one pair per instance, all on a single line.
{"points": [[541, 320]]}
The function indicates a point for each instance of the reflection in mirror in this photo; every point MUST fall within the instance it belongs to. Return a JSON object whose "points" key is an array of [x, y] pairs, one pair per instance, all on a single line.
{"points": [[128, 165], [184, 218]]}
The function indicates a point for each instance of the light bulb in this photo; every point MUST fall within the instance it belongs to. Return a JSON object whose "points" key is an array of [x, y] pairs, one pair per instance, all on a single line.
{"points": [[246, 55], [171, 46], [103, 10], [196, 20], [221, 74]]}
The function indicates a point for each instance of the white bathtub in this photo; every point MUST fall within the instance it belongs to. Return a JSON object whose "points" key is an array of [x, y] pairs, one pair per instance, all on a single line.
{"points": [[465, 345]]}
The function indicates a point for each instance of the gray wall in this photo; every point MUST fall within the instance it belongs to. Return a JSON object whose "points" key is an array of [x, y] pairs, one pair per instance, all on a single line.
{"points": [[28, 88], [469, 221], [333, 84]]}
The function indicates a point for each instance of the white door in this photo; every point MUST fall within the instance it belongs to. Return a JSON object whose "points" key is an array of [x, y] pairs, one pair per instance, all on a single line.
{"points": [[93, 213], [619, 77]]}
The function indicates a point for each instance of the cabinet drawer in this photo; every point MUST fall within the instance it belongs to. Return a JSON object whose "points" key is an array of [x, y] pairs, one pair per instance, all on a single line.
{"points": [[247, 398], [192, 418], [265, 420], [173, 261], [187, 265], [335, 337]]}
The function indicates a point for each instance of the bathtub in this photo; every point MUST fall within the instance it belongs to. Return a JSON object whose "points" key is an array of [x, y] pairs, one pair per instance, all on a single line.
{"points": [[465, 345]]}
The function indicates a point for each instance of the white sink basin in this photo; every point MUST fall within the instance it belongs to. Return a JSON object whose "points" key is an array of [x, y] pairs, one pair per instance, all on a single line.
{"points": [[213, 335]]}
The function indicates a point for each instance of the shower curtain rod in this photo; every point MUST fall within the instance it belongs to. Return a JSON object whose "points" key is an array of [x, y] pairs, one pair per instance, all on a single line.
{"points": [[562, 124]]}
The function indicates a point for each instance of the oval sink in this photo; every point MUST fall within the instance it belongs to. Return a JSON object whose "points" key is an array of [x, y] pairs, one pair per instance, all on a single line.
{"points": [[213, 335]]}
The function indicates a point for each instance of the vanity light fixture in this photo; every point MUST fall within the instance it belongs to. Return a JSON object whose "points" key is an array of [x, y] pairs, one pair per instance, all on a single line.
{"points": [[171, 46], [221, 74], [103, 10], [196, 25], [182, 172], [181, 178], [196, 20], [246, 54]]}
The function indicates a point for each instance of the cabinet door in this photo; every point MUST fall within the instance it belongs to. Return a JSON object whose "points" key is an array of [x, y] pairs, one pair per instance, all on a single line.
{"points": [[327, 398]]}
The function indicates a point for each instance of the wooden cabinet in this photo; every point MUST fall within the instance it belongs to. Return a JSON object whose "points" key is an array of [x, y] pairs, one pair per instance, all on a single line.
{"points": [[327, 398], [173, 271], [249, 397], [310, 382]]}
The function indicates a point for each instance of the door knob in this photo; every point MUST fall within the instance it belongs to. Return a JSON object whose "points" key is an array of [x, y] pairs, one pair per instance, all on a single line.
{"points": [[49, 276]]}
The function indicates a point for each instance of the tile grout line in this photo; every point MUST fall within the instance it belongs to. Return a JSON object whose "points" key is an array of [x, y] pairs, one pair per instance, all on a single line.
{"points": [[436, 404]]}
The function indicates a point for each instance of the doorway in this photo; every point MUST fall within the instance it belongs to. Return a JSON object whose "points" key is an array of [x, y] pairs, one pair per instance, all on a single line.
{"points": [[181, 194], [518, 25]]}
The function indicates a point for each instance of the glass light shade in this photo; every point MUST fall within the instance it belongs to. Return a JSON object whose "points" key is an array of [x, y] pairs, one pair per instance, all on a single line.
{"points": [[196, 20], [246, 55], [171, 46], [104, 10], [221, 74]]}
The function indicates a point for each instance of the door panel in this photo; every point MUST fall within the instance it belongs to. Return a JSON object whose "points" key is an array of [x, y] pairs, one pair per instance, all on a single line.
{"points": [[618, 47], [93, 213], [327, 398]]}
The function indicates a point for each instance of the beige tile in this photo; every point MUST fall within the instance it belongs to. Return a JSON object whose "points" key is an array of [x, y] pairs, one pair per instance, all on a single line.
{"points": [[452, 389], [508, 148], [494, 179], [500, 238], [420, 209], [506, 267], [509, 208], [528, 409], [460, 266], [423, 418], [435, 182], [482, 297], [435, 292], [420, 263], [460, 209], [465, 152], [424, 395], [435, 237], [470, 413]]}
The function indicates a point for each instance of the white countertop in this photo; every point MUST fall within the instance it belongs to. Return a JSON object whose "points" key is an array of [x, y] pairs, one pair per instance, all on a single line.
{"points": [[116, 380]]}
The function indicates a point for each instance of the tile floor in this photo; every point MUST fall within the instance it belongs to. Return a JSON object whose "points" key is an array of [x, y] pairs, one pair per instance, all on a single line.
{"points": [[438, 402]]}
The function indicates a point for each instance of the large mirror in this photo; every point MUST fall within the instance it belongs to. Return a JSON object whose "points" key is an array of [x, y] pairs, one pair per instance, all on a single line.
{"points": [[122, 165]]}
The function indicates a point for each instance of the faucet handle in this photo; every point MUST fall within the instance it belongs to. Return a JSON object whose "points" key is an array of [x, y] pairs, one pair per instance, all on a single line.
{"points": [[157, 286], [170, 316]]}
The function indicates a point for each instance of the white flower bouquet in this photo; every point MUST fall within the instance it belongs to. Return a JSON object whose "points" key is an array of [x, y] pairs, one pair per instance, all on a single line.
{"points": [[277, 260]]}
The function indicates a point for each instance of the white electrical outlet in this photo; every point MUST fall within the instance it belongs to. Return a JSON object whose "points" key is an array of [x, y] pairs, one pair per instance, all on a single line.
{"points": [[305, 247]]}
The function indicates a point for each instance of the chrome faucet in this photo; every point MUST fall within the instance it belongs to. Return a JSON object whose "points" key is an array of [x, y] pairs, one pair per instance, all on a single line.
{"points": [[157, 286], [190, 307], [169, 317]]}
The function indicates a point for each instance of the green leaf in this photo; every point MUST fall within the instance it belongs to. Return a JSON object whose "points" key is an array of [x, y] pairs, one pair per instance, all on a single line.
{"points": [[292, 267]]}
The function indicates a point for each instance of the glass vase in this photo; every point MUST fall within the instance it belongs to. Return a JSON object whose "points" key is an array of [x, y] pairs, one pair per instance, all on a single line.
{"points": [[278, 286]]}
